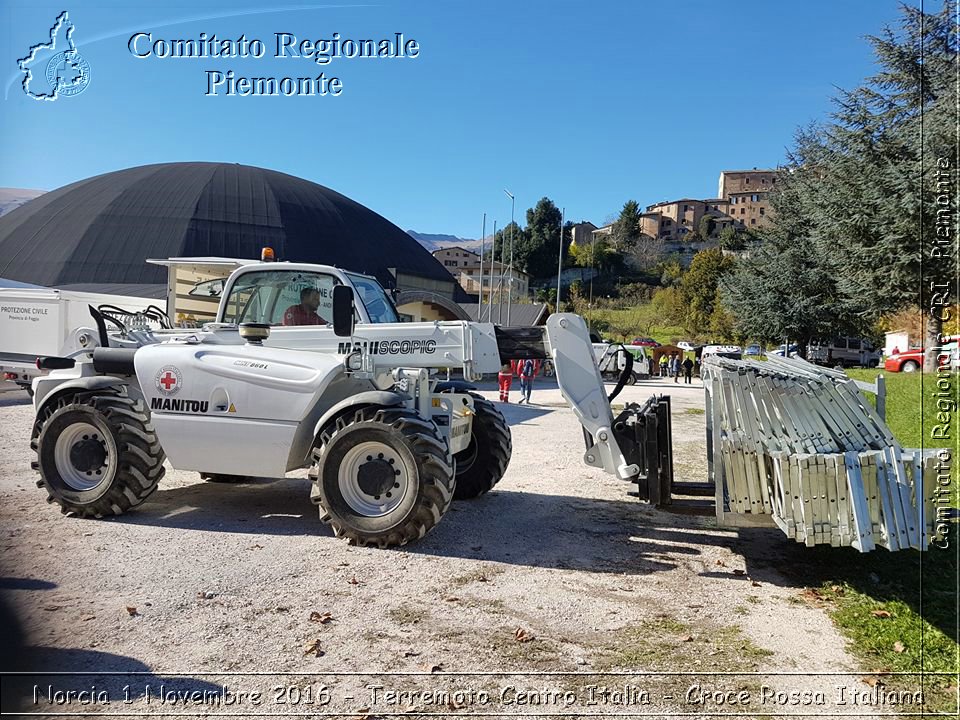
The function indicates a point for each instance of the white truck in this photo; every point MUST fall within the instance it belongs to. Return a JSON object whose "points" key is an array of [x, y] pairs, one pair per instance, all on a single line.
{"points": [[307, 366], [37, 322]]}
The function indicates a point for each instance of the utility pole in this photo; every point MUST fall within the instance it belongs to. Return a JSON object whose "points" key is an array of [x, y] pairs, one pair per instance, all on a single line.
{"points": [[563, 213], [510, 266], [493, 261], [483, 239]]}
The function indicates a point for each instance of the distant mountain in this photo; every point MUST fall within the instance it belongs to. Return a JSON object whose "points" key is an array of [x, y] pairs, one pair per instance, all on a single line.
{"points": [[435, 241], [12, 198]]}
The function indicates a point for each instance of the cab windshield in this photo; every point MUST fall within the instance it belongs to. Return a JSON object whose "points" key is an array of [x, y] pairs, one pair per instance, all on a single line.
{"points": [[281, 297], [374, 299], [299, 297]]}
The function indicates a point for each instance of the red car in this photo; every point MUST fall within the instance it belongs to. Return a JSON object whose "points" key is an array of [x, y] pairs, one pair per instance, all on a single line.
{"points": [[645, 342], [907, 361]]}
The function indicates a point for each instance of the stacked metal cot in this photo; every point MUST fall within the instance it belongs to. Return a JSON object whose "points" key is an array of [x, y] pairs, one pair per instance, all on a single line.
{"points": [[801, 445]]}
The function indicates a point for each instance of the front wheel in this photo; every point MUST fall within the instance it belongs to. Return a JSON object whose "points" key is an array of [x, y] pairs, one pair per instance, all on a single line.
{"points": [[910, 366], [481, 465], [381, 476], [97, 456]]}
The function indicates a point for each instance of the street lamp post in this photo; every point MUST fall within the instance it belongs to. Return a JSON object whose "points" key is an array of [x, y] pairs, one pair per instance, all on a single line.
{"points": [[483, 239], [563, 213], [493, 261], [510, 266]]}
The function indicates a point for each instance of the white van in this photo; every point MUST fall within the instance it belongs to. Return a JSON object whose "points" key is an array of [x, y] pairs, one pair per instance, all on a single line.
{"points": [[844, 352]]}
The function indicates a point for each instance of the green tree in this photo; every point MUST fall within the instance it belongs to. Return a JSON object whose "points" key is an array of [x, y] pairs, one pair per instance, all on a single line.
{"points": [[536, 251], [732, 239], [698, 288], [869, 179], [626, 228], [784, 288], [707, 226], [502, 242]]}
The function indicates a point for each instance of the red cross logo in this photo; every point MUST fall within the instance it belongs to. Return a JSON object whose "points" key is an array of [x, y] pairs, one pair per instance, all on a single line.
{"points": [[168, 380]]}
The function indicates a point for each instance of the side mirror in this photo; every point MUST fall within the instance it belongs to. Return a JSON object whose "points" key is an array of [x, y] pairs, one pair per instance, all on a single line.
{"points": [[342, 311]]}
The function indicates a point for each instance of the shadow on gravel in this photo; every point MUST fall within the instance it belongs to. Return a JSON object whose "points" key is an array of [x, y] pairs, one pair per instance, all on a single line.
{"points": [[14, 398], [259, 505], [559, 531], [19, 583]]}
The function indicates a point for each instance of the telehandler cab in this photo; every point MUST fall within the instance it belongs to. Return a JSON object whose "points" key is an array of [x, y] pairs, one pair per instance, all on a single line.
{"points": [[308, 366]]}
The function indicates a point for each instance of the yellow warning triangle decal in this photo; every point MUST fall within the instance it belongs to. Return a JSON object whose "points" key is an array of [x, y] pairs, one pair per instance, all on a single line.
{"points": [[232, 409]]}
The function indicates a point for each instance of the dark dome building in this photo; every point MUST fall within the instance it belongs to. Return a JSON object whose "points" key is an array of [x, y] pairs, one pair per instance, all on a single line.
{"points": [[98, 232]]}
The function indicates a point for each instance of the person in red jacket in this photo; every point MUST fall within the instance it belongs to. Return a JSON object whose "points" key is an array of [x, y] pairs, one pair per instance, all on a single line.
{"points": [[505, 379], [306, 312]]}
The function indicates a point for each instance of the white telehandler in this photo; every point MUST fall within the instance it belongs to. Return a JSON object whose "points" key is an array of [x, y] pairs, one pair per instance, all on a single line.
{"points": [[307, 366]]}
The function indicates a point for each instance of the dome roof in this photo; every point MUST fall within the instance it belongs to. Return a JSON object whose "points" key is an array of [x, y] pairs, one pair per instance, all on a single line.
{"points": [[100, 230]]}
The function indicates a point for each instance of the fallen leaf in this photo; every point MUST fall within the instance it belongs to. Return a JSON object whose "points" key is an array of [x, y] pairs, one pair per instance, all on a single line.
{"points": [[322, 618], [132, 610], [409, 653], [353, 581], [738, 571], [482, 578], [522, 635], [432, 668], [85, 618], [899, 647], [880, 613], [755, 583], [313, 648], [256, 546], [452, 598], [720, 563], [687, 638]]}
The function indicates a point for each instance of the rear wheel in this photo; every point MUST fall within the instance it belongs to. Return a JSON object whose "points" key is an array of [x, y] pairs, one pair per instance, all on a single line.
{"points": [[485, 460], [97, 456], [382, 476]]}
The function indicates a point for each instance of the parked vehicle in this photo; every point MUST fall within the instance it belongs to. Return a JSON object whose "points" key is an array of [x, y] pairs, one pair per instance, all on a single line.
{"points": [[734, 352], [645, 342], [688, 346], [844, 352], [307, 367], [794, 349], [912, 360], [754, 350], [37, 322]]}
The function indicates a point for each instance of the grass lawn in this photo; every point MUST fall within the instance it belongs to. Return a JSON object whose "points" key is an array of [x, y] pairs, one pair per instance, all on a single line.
{"points": [[899, 610]]}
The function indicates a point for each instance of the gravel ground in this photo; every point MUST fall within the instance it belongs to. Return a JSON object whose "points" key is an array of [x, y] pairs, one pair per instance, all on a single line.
{"points": [[558, 570]]}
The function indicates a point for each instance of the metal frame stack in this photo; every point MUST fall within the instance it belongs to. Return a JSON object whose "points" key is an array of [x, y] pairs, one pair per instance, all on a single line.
{"points": [[799, 446]]}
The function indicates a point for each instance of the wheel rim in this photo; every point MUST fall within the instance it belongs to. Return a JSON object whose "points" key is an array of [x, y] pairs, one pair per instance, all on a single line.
{"points": [[467, 457], [910, 367], [83, 457], [373, 479]]}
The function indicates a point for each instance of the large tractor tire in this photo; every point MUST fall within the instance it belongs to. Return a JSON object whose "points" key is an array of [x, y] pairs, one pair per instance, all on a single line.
{"points": [[485, 460], [381, 476], [97, 455]]}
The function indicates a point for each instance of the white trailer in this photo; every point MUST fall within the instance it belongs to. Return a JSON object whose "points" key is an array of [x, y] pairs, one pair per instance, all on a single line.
{"points": [[41, 322]]}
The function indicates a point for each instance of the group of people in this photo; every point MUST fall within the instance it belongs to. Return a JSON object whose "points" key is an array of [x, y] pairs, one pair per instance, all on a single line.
{"points": [[673, 366], [526, 370]]}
